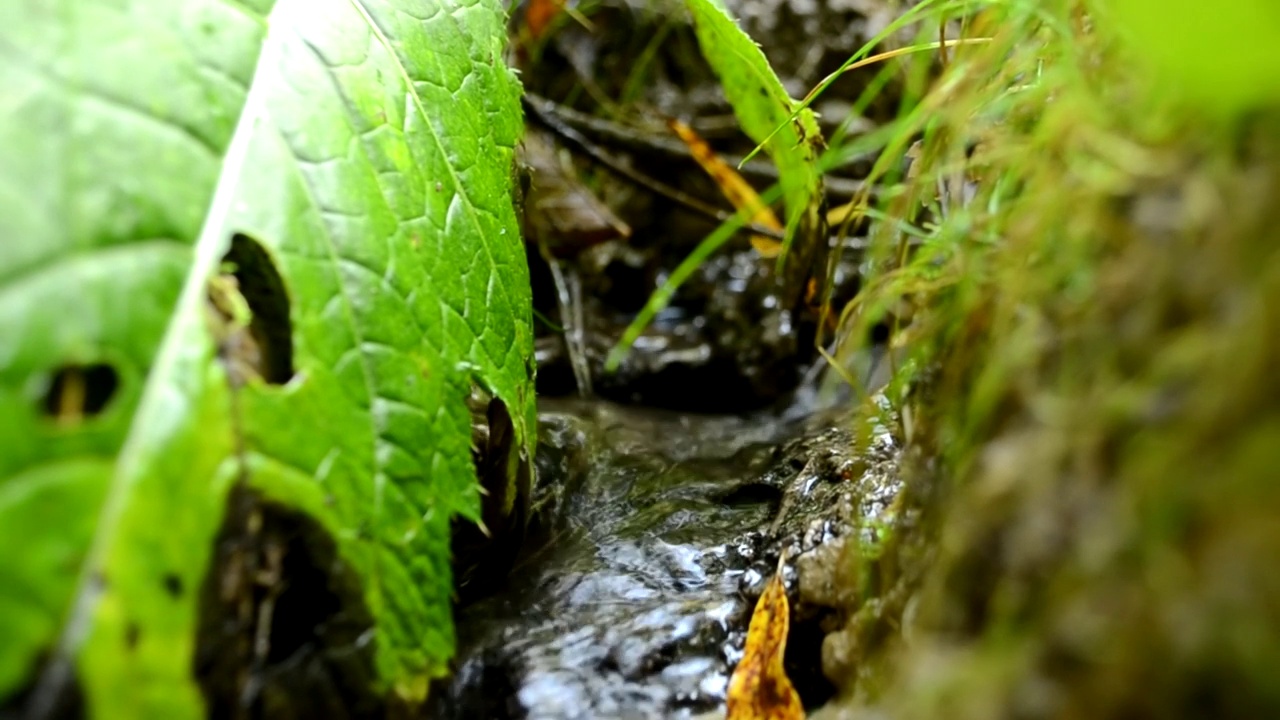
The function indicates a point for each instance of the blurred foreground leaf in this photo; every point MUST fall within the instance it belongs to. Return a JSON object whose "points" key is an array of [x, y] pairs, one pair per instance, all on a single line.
{"points": [[1224, 54], [353, 161]]}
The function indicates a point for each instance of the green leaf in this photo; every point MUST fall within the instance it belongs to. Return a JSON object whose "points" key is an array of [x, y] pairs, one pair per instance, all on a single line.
{"points": [[762, 106], [790, 135], [364, 148], [766, 113], [1223, 54]]}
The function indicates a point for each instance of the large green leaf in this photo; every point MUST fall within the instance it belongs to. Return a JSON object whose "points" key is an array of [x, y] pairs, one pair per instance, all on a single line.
{"points": [[366, 145]]}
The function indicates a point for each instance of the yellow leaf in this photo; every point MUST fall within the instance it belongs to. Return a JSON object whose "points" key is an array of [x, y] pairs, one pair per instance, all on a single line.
{"points": [[760, 688], [734, 187], [851, 210]]}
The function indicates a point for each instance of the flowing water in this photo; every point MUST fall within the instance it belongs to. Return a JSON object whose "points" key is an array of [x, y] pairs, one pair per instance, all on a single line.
{"points": [[654, 534]]}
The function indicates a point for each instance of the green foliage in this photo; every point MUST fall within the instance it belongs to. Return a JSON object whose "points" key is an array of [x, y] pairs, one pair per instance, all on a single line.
{"points": [[789, 134], [1088, 329], [764, 110], [366, 149], [1223, 54]]}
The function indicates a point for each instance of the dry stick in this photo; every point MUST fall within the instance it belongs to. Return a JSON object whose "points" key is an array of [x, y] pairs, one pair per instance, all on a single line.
{"points": [[942, 41], [569, 299]]}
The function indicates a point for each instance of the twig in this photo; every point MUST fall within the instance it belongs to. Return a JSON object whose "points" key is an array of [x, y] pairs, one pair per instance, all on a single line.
{"points": [[569, 298], [616, 133]]}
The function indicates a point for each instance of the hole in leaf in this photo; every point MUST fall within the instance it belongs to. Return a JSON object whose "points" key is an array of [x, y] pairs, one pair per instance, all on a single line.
{"points": [[255, 334], [80, 391], [61, 700], [284, 630], [132, 633], [482, 557], [173, 584]]}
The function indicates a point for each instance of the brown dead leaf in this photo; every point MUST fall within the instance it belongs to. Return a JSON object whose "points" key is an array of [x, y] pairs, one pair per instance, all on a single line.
{"points": [[559, 210], [734, 187], [760, 688]]}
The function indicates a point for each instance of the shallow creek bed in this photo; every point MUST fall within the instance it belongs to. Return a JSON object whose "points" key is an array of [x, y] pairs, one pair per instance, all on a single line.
{"points": [[653, 537]]}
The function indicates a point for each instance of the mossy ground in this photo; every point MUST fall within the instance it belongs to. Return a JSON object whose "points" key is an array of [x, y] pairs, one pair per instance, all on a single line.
{"points": [[1089, 342]]}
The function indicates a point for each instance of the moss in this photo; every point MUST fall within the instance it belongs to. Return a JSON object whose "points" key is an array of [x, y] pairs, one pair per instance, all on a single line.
{"points": [[1090, 354]]}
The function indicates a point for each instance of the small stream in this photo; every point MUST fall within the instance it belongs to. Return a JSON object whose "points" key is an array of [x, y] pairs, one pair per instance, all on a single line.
{"points": [[653, 535]]}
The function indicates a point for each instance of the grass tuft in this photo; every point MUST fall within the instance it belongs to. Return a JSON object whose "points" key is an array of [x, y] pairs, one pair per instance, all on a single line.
{"points": [[1087, 346]]}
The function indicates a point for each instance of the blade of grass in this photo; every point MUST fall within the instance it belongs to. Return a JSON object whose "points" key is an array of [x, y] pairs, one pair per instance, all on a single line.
{"points": [[761, 102], [879, 57], [922, 11]]}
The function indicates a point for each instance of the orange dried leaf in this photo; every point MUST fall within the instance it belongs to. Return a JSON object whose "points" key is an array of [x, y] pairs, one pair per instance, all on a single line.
{"points": [[734, 187], [760, 688], [538, 15]]}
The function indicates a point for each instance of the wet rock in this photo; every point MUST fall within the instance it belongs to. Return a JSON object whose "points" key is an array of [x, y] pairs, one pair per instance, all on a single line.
{"points": [[725, 332], [825, 575]]}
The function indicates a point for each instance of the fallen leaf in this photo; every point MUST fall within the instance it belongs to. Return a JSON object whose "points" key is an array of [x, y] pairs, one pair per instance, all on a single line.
{"points": [[538, 15], [559, 209], [760, 688], [848, 212], [734, 187]]}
